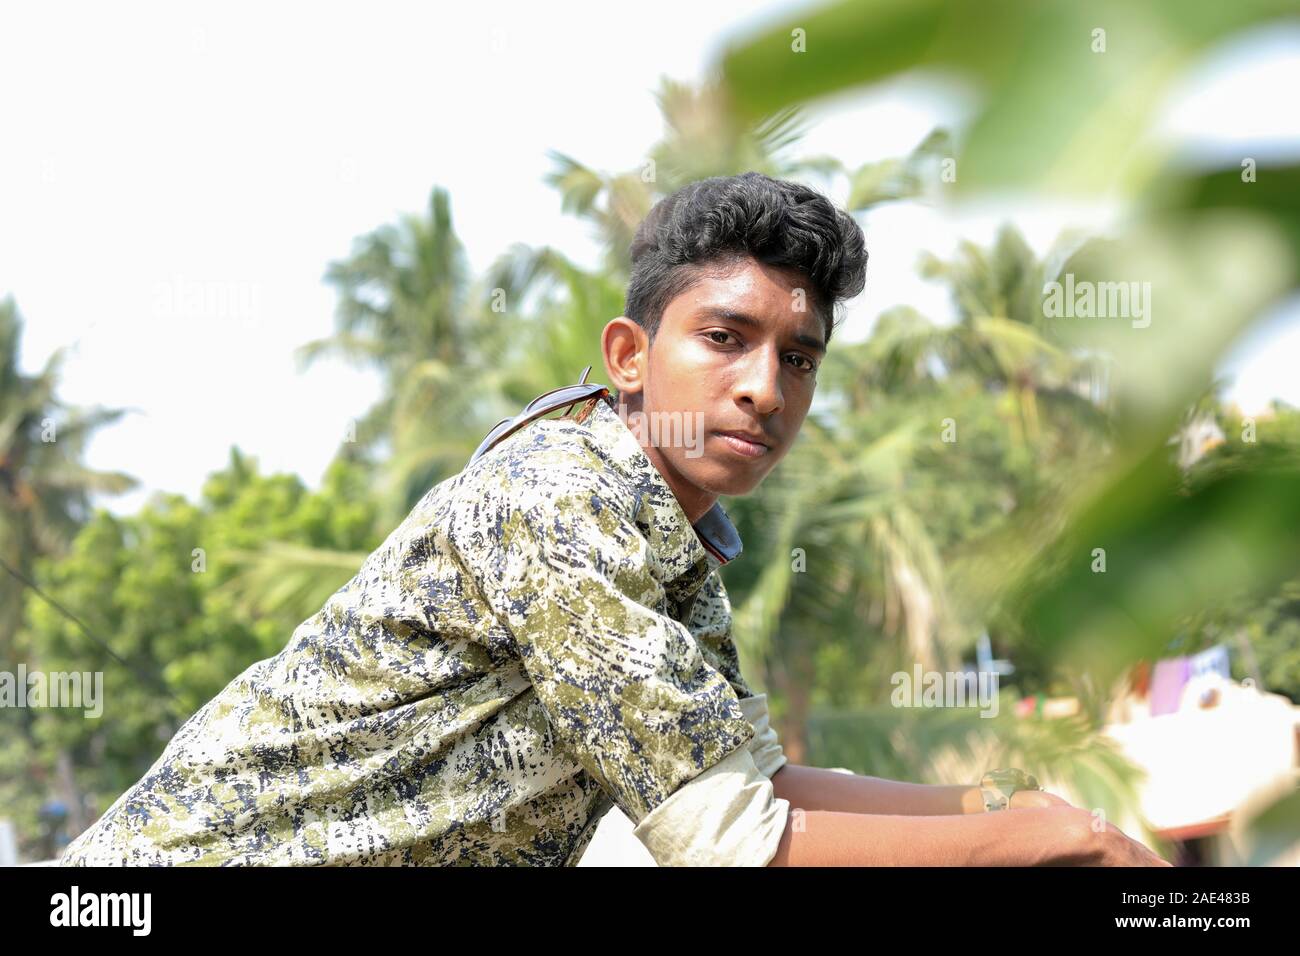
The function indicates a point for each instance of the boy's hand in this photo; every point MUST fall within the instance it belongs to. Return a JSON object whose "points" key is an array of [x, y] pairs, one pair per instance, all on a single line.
{"points": [[1082, 843]]}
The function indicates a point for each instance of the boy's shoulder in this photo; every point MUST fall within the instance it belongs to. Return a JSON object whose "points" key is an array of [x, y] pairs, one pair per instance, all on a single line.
{"points": [[555, 460], [549, 468], [584, 477]]}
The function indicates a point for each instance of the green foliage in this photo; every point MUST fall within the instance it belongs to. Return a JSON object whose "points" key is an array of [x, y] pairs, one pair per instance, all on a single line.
{"points": [[44, 486], [166, 591]]}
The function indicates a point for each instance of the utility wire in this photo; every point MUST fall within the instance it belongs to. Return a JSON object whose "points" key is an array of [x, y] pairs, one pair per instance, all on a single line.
{"points": [[151, 678]]}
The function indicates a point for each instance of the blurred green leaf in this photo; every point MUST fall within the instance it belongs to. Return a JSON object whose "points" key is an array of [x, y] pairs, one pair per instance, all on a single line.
{"points": [[1056, 110], [1169, 297], [1166, 551], [1274, 831], [1274, 192]]}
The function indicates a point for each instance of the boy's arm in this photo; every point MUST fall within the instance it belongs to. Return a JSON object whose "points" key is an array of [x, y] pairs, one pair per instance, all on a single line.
{"points": [[1039, 836], [1046, 836], [813, 788], [839, 819]]}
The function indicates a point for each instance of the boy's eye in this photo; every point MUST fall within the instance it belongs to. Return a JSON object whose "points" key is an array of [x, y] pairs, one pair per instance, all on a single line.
{"points": [[808, 366]]}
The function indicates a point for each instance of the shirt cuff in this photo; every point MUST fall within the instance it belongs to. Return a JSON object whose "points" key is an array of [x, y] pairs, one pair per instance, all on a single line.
{"points": [[729, 815], [765, 748]]}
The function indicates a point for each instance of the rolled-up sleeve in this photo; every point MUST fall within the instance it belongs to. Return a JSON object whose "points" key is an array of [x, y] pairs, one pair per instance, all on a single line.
{"points": [[727, 816], [765, 747], [625, 688]]}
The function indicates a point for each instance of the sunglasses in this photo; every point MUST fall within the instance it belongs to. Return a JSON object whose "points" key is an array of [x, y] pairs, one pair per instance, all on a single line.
{"points": [[543, 404]]}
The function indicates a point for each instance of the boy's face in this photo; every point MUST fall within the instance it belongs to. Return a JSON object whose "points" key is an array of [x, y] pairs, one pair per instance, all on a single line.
{"points": [[737, 352]]}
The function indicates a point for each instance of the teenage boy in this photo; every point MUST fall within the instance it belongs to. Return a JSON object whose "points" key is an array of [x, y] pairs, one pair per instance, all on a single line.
{"points": [[547, 635]]}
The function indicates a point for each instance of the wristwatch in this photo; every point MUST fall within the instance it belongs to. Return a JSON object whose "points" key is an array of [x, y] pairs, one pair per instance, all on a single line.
{"points": [[997, 786]]}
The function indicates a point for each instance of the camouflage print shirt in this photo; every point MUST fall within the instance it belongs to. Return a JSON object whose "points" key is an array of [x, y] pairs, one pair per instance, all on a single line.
{"points": [[544, 636]]}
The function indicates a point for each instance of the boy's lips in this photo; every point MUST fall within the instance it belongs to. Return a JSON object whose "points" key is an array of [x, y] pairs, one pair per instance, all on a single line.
{"points": [[746, 443]]}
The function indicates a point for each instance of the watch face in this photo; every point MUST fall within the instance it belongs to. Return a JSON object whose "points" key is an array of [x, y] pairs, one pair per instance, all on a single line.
{"points": [[997, 779]]}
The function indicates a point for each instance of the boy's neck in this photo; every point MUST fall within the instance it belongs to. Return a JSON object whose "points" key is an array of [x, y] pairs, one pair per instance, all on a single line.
{"points": [[694, 501]]}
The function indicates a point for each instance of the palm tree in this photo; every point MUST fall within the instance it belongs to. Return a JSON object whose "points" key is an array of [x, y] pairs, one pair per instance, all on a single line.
{"points": [[408, 308], [702, 139], [1003, 337], [45, 492], [45, 488], [836, 553]]}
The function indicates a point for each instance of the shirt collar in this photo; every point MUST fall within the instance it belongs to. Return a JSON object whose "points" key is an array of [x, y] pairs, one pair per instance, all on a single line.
{"points": [[683, 550]]}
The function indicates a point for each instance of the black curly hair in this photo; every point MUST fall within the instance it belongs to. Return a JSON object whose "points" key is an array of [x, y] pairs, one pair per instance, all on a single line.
{"points": [[712, 223]]}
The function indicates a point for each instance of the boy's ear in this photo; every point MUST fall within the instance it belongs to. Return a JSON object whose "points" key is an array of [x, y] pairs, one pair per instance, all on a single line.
{"points": [[624, 346]]}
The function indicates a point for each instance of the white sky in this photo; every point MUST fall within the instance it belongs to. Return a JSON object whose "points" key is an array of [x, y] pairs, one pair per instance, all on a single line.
{"points": [[153, 149]]}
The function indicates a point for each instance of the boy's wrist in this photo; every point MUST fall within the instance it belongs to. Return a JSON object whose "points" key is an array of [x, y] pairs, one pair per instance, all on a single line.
{"points": [[972, 800]]}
